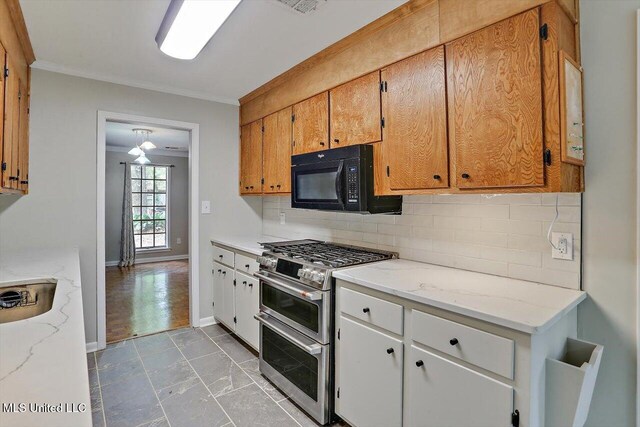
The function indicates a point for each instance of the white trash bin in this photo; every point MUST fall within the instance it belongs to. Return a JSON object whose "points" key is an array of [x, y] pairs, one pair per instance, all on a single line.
{"points": [[570, 382]]}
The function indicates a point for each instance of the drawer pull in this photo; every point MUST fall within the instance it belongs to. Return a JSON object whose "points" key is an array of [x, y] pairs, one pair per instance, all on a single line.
{"points": [[419, 363], [246, 266], [436, 177], [466, 176], [365, 310], [453, 341], [244, 282], [251, 285], [219, 271], [220, 256], [390, 350], [224, 272]]}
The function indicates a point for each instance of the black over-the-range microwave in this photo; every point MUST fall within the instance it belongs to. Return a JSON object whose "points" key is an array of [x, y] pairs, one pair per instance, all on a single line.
{"points": [[340, 179]]}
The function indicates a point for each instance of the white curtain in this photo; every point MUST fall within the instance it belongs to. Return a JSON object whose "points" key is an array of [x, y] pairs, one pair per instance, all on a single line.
{"points": [[127, 244]]}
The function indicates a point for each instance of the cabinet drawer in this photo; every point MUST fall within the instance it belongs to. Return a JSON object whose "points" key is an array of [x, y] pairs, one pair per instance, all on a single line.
{"points": [[374, 310], [246, 265], [488, 351], [223, 256]]}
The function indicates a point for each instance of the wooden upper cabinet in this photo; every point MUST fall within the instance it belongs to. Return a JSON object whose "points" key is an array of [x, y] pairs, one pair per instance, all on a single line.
{"points": [[23, 139], [10, 179], [3, 64], [355, 112], [276, 151], [414, 105], [251, 158], [311, 124], [495, 105]]}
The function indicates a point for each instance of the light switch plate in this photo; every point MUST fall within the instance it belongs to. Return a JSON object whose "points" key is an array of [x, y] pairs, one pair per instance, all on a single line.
{"points": [[205, 207], [282, 218], [563, 243]]}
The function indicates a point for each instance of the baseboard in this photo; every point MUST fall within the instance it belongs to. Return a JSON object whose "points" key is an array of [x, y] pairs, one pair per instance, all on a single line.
{"points": [[154, 259], [207, 321], [92, 346]]}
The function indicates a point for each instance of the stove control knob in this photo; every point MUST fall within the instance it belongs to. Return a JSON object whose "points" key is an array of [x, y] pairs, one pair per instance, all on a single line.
{"points": [[267, 262], [318, 277], [305, 273]]}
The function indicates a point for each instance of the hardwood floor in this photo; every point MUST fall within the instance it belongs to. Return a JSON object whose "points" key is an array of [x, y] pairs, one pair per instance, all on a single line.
{"points": [[146, 298]]}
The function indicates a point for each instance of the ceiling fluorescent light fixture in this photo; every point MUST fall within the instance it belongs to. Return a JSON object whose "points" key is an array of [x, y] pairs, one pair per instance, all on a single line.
{"points": [[188, 25]]}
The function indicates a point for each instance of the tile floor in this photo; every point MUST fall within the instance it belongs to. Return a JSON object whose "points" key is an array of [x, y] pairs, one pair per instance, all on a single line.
{"points": [[186, 377]]}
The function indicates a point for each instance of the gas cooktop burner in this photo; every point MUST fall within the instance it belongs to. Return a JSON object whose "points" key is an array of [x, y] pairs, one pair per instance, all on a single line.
{"points": [[328, 254]]}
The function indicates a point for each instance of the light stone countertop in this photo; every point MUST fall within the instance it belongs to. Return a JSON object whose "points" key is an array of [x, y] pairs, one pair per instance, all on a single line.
{"points": [[245, 244], [517, 304], [43, 359]]}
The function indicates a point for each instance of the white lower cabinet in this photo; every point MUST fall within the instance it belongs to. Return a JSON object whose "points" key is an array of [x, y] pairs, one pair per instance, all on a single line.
{"points": [[370, 376], [443, 393], [236, 293], [247, 305], [223, 295]]}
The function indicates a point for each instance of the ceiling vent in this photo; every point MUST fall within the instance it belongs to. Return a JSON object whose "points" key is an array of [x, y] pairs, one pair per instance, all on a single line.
{"points": [[303, 6]]}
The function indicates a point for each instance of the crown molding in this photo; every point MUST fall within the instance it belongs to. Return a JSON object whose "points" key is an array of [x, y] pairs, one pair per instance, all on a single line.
{"points": [[56, 68], [154, 152]]}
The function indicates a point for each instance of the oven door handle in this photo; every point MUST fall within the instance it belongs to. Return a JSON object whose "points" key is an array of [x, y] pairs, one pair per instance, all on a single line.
{"points": [[306, 344], [278, 284]]}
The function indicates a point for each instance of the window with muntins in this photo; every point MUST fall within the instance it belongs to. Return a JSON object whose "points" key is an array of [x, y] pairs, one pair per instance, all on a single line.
{"points": [[149, 185]]}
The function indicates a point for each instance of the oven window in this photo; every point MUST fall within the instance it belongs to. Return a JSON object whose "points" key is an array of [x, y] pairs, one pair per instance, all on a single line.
{"points": [[302, 312], [291, 362], [316, 185]]}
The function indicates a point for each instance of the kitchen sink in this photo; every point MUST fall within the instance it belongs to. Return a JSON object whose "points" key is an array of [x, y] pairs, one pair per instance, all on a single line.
{"points": [[24, 300]]}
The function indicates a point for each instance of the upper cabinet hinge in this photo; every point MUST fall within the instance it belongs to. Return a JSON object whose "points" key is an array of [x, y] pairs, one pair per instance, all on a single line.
{"points": [[4, 166], [547, 157], [293, 118], [544, 32], [515, 418], [382, 122], [6, 71], [383, 86], [262, 181]]}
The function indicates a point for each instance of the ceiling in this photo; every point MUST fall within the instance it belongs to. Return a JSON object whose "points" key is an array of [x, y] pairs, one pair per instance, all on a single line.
{"points": [[114, 41], [120, 137]]}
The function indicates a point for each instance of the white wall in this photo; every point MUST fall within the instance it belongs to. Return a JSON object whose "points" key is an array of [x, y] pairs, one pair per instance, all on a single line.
{"points": [[60, 209], [608, 317], [178, 205], [502, 234]]}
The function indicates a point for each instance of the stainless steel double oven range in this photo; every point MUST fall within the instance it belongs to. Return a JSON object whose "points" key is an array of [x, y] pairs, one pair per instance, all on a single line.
{"points": [[297, 317]]}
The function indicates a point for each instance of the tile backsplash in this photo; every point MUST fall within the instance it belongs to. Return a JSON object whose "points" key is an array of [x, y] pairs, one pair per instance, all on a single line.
{"points": [[502, 234]]}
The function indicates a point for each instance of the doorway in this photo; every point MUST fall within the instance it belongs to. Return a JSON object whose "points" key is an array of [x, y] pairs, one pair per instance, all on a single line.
{"points": [[147, 195]]}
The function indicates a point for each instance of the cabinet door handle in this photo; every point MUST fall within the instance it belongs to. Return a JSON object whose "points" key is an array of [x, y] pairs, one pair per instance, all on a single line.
{"points": [[278, 186], [246, 266], [466, 176], [336, 140], [453, 341], [366, 310], [251, 285], [219, 271], [220, 256], [390, 350], [251, 187], [272, 187], [436, 177], [224, 272], [244, 282], [246, 188], [322, 144], [419, 363]]}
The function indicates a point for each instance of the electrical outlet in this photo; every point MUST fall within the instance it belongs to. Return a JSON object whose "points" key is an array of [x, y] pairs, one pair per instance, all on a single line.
{"points": [[283, 219], [563, 243], [205, 207], [179, 241]]}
